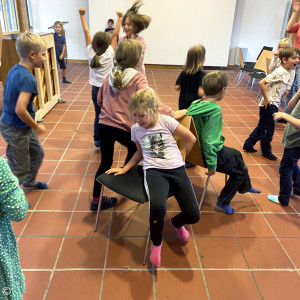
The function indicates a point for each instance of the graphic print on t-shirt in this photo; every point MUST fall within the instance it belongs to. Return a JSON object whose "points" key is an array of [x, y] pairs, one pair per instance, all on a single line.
{"points": [[154, 145]]}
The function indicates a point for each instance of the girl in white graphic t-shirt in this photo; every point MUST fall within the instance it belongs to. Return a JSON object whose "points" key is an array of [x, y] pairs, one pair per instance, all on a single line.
{"points": [[164, 168]]}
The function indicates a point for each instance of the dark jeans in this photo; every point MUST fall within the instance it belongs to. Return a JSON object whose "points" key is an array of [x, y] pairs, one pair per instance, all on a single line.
{"points": [[158, 182], [95, 90], [264, 131], [230, 161], [108, 136], [289, 175]]}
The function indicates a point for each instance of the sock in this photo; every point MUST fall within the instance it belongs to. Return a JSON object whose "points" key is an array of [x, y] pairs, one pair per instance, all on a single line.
{"points": [[228, 209], [182, 232], [273, 198], [155, 255], [253, 190], [95, 199]]}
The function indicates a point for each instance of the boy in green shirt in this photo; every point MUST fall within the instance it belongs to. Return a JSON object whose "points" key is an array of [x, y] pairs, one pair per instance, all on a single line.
{"points": [[207, 116]]}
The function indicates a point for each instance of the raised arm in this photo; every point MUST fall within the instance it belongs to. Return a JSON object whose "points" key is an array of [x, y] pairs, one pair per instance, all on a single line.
{"points": [[294, 15], [114, 39], [87, 34]]}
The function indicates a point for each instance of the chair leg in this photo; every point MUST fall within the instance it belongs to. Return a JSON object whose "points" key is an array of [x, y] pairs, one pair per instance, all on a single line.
{"points": [[258, 96], [147, 248], [237, 76], [99, 207], [253, 80], [204, 192], [240, 78], [247, 86]]}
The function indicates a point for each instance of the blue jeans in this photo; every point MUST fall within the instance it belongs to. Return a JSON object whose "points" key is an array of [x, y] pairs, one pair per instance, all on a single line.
{"points": [[289, 175], [95, 91], [264, 131]]}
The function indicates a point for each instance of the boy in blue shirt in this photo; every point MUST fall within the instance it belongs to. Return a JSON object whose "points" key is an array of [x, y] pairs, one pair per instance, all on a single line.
{"points": [[17, 125], [207, 115]]}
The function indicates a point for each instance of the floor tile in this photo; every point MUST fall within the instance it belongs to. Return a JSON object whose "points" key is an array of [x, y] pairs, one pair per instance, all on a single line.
{"points": [[73, 285], [38, 252], [82, 252], [213, 256], [291, 246], [134, 285], [277, 285], [36, 283], [264, 253], [231, 284]]}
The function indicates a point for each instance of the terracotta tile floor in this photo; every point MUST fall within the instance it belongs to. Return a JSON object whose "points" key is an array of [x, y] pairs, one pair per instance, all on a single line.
{"points": [[253, 254]]}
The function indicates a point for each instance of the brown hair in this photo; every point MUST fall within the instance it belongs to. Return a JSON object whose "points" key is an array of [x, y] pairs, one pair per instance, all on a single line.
{"points": [[214, 82], [287, 52], [127, 56], [194, 60], [138, 21], [101, 41]]}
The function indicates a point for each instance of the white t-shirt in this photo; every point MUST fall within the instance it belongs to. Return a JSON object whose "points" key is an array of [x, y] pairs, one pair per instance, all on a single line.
{"points": [[160, 150], [97, 75]]}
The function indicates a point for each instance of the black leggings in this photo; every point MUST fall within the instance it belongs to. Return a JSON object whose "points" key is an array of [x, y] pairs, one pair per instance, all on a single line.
{"points": [[108, 136], [158, 183]]}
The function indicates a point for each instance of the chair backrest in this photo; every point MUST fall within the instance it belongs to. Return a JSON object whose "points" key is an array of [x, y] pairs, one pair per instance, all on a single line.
{"points": [[241, 59], [264, 48], [268, 65], [261, 63]]}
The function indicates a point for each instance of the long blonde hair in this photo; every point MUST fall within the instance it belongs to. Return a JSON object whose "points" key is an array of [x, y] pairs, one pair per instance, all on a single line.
{"points": [[127, 56], [194, 60], [27, 42]]}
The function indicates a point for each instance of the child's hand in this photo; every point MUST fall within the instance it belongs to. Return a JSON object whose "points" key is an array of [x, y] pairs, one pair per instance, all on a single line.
{"points": [[40, 129], [210, 173], [265, 103], [279, 115], [286, 92], [116, 171], [82, 10], [119, 14], [61, 57], [296, 6]]}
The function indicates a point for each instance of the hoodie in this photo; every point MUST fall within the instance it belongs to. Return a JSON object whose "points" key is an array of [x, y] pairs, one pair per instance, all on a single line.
{"points": [[114, 103], [207, 116]]}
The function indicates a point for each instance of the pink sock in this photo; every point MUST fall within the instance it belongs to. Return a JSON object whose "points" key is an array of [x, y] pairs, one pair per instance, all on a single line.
{"points": [[155, 255], [95, 199], [182, 232]]}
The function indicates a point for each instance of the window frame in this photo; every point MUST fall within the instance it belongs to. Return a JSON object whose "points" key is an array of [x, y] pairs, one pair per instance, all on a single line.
{"points": [[9, 17]]}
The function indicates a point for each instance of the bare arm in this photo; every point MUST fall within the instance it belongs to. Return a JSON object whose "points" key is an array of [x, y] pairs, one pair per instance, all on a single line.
{"points": [[114, 39], [180, 113], [184, 134], [63, 51], [294, 16], [281, 115], [263, 89], [136, 158], [293, 101], [23, 114], [201, 92], [87, 34]]}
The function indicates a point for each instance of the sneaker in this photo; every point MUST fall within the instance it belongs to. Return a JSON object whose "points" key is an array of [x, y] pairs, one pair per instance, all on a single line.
{"points": [[189, 164], [97, 144], [66, 81], [227, 208], [39, 185], [249, 149], [270, 156], [106, 203]]}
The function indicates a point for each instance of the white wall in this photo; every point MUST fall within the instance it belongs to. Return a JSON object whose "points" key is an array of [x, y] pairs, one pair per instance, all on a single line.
{"points": [[256, 23]]}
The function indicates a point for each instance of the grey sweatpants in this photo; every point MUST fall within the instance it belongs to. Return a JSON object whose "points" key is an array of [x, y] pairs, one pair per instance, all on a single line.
{"points": [[24, 152]]}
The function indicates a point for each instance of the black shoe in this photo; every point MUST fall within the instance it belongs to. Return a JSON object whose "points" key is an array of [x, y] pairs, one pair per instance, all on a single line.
{"points": [[249, 149], [271, 156], [106, 203], [282, 121], [189, 164], [66, 81]]}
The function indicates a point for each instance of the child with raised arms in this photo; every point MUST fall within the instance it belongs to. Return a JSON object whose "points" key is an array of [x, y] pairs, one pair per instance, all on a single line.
{"points": [[153, 134], [133, 23], [100, 52]]}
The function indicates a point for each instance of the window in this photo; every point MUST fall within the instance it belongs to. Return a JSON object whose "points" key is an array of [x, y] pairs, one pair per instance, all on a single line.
{"points": [[8, 16]]}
